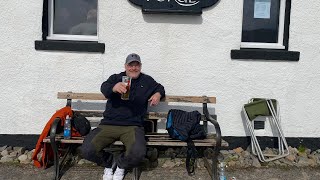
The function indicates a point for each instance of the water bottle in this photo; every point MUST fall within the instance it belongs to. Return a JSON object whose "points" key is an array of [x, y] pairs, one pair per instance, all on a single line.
{"points": [[67, 128], [222, 175]]}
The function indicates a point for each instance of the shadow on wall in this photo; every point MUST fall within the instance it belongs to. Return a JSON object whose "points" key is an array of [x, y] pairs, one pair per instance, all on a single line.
{"points": [[172, 19]]}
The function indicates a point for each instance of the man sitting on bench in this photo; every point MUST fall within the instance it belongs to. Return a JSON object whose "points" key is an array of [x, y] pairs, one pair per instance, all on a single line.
{"points": [[123, 119]]}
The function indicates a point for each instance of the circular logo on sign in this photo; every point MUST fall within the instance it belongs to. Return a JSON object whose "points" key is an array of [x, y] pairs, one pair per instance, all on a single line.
{"points": [[187, 2]]}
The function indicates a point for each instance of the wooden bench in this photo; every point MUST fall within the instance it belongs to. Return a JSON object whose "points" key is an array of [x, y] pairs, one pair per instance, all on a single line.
{"points": [[90, 101]]}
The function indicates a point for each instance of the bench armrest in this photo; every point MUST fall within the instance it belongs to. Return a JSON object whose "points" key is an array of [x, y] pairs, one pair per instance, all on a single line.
{"points": [[53, 129], [215, 123]]}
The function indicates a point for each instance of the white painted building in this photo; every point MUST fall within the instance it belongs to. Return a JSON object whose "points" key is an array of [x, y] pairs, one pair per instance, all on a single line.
{"points": [[188, 54]]}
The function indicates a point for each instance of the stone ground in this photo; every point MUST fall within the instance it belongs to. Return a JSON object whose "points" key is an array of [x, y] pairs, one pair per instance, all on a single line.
{"points": [[14, 171]]}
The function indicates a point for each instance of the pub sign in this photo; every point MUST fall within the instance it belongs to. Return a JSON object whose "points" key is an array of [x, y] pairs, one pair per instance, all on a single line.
{"points": [[173, 6]]}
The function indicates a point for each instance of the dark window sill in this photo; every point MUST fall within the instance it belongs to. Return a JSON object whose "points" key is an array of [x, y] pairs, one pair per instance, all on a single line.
{"points": [[78, 46], [265, 54]]}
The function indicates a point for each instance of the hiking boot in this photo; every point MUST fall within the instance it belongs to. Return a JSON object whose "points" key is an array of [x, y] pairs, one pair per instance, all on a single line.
{"points": [[108, 174], [118, 174]]}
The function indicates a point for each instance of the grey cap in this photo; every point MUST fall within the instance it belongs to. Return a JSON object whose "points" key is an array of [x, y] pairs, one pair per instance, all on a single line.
{"points": [[133, 57]]}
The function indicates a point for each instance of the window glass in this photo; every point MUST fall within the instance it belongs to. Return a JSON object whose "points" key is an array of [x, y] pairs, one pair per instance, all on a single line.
{"points": [[260, 21], [75, 17]]}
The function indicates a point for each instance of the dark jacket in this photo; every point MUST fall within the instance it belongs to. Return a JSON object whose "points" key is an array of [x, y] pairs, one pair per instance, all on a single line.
{"points": [[129, 112]]}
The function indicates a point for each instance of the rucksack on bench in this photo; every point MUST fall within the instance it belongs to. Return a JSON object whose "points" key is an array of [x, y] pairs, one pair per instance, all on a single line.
{"points": [[80, 123], [185, 126]]}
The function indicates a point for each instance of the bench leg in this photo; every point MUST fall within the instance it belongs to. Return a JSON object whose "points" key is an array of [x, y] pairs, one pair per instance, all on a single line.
{"points": [[211, 119], [56, 161], [54, 146], [135, 173], [61, 163], [58, 165], [214, 164], [212, 168]]}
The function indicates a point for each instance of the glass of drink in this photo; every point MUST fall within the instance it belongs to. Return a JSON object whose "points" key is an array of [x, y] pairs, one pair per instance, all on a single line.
{"points": [[127, 81]]}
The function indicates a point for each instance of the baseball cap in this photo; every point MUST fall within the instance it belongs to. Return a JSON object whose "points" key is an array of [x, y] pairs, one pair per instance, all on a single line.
{"points": [[133, 57]]}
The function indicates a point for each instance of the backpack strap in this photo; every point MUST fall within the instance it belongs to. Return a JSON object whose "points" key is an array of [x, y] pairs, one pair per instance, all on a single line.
{"points": [[191, 157]]}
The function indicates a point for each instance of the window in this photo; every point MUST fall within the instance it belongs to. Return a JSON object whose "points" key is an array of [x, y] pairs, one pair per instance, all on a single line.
{"points": [[70, 25], [73, 20], [263, 24], [265, 31]]}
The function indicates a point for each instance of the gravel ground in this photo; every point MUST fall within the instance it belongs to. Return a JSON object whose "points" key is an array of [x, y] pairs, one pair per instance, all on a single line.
{"points": [[29, 172]]}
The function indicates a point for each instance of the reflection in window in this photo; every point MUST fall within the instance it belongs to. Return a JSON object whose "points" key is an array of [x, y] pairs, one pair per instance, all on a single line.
{"points": [[75, 17], [260, 21]]}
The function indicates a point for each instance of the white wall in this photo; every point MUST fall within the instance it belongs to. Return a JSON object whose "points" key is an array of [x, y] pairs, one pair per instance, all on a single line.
{"points": [[189, 55]]}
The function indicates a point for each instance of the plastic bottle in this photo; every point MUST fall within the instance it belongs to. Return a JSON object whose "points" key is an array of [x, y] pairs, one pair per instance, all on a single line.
{"points": [[67, 128], [222, 175]]}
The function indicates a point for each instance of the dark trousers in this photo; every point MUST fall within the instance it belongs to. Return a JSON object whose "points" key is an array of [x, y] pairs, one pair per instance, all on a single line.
{"points": [[104, 135]]}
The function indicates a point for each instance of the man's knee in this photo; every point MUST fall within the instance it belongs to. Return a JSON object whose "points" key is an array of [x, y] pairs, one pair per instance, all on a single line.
{"points": [[88, 148]]}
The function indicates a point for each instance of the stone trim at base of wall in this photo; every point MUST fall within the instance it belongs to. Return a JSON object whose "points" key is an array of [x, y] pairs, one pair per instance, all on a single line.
{"points": [[29, 141]]}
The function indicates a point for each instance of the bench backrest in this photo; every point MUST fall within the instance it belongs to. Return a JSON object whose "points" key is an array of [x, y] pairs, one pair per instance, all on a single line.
{"points": [[168, 98], [69, 96]]}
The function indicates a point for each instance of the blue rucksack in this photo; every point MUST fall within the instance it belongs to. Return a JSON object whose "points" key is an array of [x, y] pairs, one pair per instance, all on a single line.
{"points": [[184, 125]]}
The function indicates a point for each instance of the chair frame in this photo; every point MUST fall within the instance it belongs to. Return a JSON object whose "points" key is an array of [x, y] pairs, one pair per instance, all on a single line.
{"points": [[283, 149]]}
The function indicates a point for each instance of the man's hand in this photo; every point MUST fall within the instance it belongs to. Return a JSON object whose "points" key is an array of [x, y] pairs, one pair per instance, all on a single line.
{"points": [[155, 99], [120, 87]]}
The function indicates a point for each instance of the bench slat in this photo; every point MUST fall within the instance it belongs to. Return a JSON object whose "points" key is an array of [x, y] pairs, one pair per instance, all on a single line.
{"points": [[149, 115], [99, 113], [190, 99], [168, 98], [203, 143], [151, 135]]}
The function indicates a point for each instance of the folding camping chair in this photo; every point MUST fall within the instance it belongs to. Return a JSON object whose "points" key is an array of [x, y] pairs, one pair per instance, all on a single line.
{"points": [[265, 107]]}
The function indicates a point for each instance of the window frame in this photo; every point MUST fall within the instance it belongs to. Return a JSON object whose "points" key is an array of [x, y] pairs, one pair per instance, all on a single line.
{"points": [[263, 53], [280, 44], [68, 37], [64, 45]]}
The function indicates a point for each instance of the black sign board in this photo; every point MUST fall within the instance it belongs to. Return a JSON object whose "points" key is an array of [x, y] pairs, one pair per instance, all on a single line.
{"points": [[174, 6]]}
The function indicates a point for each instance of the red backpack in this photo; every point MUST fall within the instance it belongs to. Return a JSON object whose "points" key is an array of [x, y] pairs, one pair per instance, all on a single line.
{"points": [[46, 147]]}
